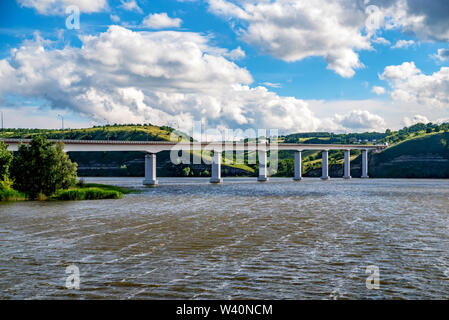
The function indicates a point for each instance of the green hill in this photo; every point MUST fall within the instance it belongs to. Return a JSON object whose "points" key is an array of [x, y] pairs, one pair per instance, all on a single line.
{"points": [[425, 155], [420, 157], [419, 151], [109, 132], [126, 163]]}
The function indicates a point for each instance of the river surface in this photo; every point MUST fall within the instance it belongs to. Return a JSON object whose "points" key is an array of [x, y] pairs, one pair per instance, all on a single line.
{"points": [[187, 239]]}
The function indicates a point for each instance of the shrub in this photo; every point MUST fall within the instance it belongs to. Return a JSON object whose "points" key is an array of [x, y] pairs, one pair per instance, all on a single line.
{"points": [[7, 193], [42, 167]]}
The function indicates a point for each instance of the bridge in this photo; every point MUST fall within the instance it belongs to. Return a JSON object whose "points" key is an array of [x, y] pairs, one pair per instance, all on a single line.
{"points": [[151, 148]]}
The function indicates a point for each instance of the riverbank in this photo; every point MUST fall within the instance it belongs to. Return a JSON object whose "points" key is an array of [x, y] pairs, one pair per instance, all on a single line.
{"points": [[82, 191]]}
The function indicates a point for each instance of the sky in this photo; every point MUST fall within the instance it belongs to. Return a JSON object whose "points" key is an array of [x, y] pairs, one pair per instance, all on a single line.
{"points": [[291, 65]]}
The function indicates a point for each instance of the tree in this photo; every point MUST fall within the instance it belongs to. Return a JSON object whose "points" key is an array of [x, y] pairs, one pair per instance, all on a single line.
{"points": [[42, 167], [5, 160]]}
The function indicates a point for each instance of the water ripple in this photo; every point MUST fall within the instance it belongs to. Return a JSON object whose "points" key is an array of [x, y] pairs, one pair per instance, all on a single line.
{"points": [[187, 239]]}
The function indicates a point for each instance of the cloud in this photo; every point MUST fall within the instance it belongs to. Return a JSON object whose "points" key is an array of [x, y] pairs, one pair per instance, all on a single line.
{"points": [[114, 18], [401, 72], [161, 21], [295, 30], [58, 7], [378, 90], [442, 55], [126, 76], [416, 119], [272, 85], [442, 120], [428, 20], [130, 5], [360, 120], [410, 84], [380, 40], [236, 54], [336, 31], [34, 116], [403, 44]]}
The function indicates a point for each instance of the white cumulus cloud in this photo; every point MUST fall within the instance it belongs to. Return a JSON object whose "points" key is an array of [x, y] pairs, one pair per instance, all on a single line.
{"points": [[403, 44], [428, 20], [162, 77], [161, 21], [236, 54], [416, 119], [58, 7], [360, 120], [293, 30], [381, 40], [130, 5], [378, 90], [410, 84], [442, 55]]}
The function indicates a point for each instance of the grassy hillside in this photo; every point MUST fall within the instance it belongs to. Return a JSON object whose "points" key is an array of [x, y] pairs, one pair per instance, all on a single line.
{"points": [[425, 156], [115, 132], [419, 155], [417, 151], [126, 163]]}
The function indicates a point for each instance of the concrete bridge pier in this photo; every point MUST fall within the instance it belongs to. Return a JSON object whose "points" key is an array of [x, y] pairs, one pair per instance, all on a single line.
{"points": [[347, 171], [150, 170], [365, 164], [325, 170], [263, 174], [298, 163], [216, 168]]}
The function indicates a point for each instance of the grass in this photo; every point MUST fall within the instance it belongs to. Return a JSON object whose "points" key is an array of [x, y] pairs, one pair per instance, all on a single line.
{"points": [[383, 165], [107, 187], [11, 195], [92, 191], [83, 191], [123, 132], [87, 194]]}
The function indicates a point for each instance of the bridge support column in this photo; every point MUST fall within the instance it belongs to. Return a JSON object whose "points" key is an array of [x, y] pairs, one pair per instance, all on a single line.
{"points": [[298, 164], [325, 170], [365, 164], [347, 174], [216, 168], [263, 174], [150, 170]]}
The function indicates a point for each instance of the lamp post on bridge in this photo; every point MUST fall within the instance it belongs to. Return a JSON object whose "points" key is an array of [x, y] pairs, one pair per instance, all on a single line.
{"points": [[62, 121]]}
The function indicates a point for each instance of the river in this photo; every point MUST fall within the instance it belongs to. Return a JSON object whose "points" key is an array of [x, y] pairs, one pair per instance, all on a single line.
{"points": [[188, 239]]}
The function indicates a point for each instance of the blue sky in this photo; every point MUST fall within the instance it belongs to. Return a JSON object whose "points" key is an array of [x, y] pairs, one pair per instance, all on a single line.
{"points": [[274, 63]]}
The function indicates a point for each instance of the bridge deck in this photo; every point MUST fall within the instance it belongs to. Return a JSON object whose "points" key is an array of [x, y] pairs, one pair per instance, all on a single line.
{"points": [[158, 146]]}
